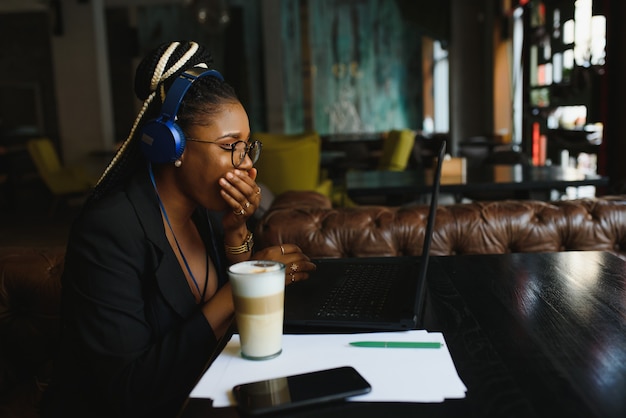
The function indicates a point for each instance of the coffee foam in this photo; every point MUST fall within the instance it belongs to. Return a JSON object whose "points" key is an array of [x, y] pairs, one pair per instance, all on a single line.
{"points": [[257, 278], [255, 267]]}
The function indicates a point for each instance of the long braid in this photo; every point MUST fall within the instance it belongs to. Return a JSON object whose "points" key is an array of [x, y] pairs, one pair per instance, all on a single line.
{"points": [[121, 164]]}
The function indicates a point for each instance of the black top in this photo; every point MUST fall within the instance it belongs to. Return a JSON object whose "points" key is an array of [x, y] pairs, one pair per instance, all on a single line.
{"points": [[134, 341]]}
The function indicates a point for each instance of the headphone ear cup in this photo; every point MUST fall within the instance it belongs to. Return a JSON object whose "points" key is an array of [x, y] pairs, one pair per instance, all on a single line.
{"points": [[162, 141]]}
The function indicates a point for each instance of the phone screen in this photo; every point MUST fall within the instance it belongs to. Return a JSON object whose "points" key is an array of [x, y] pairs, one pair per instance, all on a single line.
{"points": [[300, 390]]}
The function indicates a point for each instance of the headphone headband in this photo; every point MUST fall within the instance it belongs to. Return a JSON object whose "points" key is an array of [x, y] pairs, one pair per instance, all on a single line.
{"points": [[179, 88]]}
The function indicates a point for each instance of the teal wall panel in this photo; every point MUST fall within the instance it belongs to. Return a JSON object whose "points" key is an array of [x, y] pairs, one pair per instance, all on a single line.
{"points": [[366, 66], [365, 61], [292, 67]]}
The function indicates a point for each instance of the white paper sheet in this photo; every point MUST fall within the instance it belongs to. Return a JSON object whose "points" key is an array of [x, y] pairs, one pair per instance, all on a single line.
{"points": [[396, 374]]}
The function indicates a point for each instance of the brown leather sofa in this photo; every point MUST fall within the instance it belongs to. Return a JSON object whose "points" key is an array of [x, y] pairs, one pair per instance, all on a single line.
{"points": [[30, 277], [30, 293], [309, 220]]}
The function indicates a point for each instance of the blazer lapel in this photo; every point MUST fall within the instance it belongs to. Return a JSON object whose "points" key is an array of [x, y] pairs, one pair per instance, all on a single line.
{"points": [[168, 273]]}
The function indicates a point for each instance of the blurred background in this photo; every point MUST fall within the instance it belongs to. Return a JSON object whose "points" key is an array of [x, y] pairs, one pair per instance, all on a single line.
{"points": [[542, 77]]}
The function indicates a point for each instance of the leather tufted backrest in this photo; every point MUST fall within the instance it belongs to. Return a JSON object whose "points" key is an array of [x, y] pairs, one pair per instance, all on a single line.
{"points": [[470, 228], [30, 292]]}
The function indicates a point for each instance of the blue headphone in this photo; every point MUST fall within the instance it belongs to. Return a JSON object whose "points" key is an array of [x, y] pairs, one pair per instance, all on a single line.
{"points": [[162, 140]]}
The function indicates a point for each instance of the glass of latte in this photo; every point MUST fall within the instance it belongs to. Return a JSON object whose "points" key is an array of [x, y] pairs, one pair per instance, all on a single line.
{"points": [[258, 294]]}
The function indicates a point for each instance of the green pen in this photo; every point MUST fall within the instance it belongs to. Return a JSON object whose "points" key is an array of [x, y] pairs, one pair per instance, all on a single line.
{"points": [[396, 344]]}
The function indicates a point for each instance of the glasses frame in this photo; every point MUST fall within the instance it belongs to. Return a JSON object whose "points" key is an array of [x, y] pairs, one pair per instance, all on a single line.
{"points": [[233, 146]]}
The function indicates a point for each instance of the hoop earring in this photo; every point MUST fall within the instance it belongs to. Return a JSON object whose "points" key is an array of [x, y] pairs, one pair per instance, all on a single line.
{"points": [[178, 163]]}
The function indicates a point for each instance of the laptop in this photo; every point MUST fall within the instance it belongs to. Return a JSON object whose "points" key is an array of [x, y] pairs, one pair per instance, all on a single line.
{"points": [[368, 293]]}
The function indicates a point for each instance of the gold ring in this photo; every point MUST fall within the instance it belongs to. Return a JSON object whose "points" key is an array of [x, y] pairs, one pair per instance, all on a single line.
{"points": [[294, 267], [246, 205], [258, 191], [240, 212], [282, 250]]}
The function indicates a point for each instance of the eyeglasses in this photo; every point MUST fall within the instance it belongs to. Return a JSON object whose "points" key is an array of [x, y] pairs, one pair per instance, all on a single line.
{"points": [[238, 150]]}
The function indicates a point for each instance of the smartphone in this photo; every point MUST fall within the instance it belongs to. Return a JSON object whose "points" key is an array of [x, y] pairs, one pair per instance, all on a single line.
{"points": [[299, 390]]}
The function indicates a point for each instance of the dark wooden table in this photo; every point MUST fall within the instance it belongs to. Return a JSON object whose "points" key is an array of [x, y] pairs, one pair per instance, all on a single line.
{"points": [[521, 181], [531, 335]]}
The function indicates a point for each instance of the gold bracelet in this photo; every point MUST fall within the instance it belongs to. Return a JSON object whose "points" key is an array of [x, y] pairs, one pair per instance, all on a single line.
{"points": [[247, 245]]}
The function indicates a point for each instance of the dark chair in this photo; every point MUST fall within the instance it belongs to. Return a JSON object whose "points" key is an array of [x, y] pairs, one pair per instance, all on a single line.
{"points": [[475, 150]]}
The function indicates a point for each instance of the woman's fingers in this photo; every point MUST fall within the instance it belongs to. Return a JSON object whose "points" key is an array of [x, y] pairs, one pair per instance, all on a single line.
{"points": [[297, 264]]}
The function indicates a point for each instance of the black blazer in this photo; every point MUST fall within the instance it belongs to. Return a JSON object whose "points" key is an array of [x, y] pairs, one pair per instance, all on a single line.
{"points": [[134, 341]]}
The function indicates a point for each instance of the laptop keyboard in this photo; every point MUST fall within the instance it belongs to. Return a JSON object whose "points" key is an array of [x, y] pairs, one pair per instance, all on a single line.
{"points": [[362, 294]]}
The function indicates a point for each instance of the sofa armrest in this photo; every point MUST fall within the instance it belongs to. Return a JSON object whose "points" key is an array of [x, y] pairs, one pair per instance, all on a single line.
{"points": [[30, 294]]}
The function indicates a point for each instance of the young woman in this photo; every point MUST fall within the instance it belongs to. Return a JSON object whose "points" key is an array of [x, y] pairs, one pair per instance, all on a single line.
{"points": [[145, 292]]}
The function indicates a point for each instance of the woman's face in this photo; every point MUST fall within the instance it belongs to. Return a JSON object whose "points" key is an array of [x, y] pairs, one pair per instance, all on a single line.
{"points": [[204, 164]]}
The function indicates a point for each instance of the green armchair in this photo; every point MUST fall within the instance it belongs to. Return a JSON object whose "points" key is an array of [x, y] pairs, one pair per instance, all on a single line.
{"points": [[291, 162], [397, 149], [62, 181]]}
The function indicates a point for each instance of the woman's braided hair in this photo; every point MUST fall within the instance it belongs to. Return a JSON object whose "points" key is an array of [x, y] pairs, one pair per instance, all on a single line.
{"points": [[154, 75]]}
